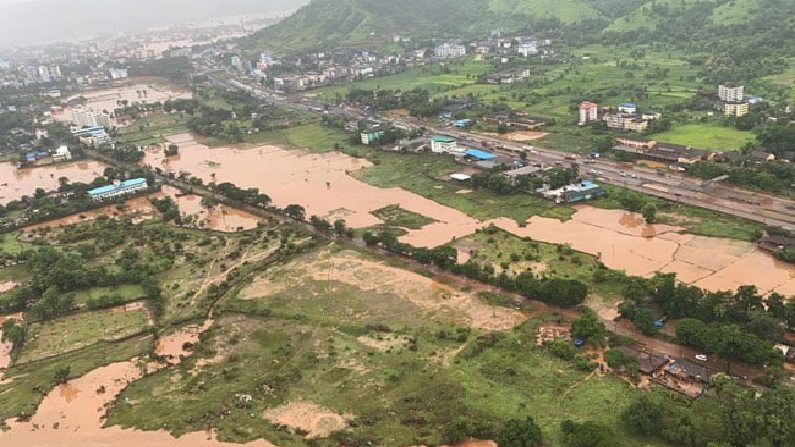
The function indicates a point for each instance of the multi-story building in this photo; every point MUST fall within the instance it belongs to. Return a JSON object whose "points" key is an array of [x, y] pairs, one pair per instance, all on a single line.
{"points": [[589, 111], [626, 121], [731, 93], [736, 109], [442, 144]]}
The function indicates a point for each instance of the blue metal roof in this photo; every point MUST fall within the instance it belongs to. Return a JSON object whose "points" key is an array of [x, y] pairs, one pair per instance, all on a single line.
{"points": [[480, 155], [628, 104], [110, 188]]}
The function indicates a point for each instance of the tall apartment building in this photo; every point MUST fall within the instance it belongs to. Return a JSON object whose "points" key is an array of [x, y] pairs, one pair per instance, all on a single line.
{"points": [[448, 50], [731, 93], [589, 111]]}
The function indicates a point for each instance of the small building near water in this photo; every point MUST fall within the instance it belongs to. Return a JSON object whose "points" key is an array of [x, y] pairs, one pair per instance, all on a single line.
{"points": [[578, 192], [118, 189]]}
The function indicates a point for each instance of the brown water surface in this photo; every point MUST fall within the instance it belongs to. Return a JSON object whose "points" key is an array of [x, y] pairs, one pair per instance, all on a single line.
{"points": [[323, 185], [15, 182]]}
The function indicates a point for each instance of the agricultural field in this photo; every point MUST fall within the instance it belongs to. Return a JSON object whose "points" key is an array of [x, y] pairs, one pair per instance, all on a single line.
{"points": [[706, 136], [340, 327], [70, 333], [152, 129]]}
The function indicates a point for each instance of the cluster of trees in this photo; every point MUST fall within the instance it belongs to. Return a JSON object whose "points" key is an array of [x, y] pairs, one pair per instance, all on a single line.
{"points": [[496, 182], [772, 176], [250, 196], [735, 418], [736, 325], [513, 433], [418, 101]]}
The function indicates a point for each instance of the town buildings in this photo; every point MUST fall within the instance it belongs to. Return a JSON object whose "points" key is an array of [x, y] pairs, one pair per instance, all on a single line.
{"points": [[663, 152], [628, 119], [731, 100], [578, 192]]}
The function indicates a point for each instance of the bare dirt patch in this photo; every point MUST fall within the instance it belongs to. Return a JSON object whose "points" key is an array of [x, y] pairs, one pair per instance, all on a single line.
{"points": [[307, 418], [351, 268], [384, 342]]}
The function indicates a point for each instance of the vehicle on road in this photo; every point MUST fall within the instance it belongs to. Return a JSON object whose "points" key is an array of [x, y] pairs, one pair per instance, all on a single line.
{"points": [[701, 357]]}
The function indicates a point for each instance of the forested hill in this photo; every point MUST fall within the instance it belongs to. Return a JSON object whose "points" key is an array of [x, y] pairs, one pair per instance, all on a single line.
{"points": [[763, 24]]}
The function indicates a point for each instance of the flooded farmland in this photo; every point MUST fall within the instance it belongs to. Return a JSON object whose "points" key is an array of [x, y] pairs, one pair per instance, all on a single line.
{"points": [[111, 98], [71, 415], [323, 185], [219, 218], [15, 182]]}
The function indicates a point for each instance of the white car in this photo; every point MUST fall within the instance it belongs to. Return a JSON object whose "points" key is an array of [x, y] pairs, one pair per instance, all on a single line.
{"points": [[701, 357]]}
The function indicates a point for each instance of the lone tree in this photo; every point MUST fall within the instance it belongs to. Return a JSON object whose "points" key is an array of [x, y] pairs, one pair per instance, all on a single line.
{"points": [[649, 212]]}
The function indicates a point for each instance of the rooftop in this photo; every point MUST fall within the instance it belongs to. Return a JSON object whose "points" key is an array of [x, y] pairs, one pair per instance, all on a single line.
{"points": [[442, 139], [113, 187], [480, 155]]}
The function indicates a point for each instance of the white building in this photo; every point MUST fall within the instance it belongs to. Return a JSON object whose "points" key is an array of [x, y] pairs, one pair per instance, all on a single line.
{"points": [[117, 73], [441, 144], [62, 154], [89, 118], [736, 109], [589, 111], [731, 93], [449, 51]]}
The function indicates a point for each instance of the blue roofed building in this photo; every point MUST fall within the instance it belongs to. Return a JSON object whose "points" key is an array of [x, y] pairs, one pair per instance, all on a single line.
{"points": [[118, 189], [479, 155]]}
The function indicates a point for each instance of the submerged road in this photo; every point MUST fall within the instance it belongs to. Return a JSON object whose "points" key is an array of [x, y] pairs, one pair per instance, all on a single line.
{"points": [[767, 209]]}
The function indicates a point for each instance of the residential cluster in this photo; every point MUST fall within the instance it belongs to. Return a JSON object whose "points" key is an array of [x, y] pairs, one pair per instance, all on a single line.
{"points": [[318, 68]]}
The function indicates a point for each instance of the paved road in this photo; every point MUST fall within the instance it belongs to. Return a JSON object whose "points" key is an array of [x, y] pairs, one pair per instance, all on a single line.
{"points": [[767, 209]]}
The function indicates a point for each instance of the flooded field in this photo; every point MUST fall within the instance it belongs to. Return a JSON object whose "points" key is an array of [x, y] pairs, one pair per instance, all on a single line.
{"points": [[323, 185], [623, 241], [15, 183], [219, 218], [71, 415], [108, 99]]}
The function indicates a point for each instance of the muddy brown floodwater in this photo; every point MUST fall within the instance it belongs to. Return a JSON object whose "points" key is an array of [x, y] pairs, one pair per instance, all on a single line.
{"points": [[15, 182], [323, 185], [71, 416]]}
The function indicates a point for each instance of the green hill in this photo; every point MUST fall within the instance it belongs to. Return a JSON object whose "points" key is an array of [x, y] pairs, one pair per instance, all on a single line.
{"points": [[323, 23]]}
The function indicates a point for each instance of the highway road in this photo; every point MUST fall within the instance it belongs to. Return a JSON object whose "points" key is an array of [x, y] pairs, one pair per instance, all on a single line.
{"points": [[767, 209]]}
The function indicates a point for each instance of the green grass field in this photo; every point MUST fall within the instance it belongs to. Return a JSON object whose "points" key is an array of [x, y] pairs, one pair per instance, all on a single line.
{"points": [[76, 331], [706, 136], [394, 215], [9, 244], [153, 129]]}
